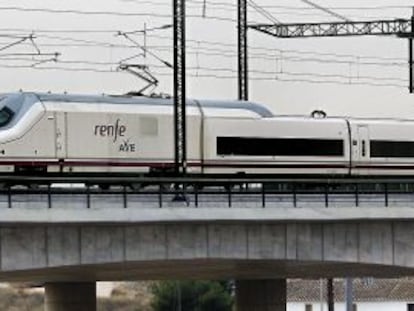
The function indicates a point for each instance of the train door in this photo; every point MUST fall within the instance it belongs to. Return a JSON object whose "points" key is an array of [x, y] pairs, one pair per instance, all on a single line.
{"points": [[361, 152], [60, 118], [363, 143]]}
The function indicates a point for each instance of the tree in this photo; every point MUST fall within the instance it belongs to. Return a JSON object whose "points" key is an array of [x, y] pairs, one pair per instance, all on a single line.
{"points": [[195, 296]]}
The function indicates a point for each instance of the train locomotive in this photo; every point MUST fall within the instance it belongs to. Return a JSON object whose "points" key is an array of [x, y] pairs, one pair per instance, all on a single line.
{"points": [[45, 133]]}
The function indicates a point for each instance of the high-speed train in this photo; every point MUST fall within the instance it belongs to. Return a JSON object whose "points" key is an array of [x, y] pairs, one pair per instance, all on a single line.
{"points": [[46, 133]]}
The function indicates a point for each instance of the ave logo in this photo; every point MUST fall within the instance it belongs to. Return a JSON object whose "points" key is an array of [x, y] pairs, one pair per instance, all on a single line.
{"points": [[126, 146]]}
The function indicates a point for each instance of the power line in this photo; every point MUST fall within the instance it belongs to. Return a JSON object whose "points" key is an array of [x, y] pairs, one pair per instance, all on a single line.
{"points": [[314, 15], [289, 10], [253, 71], [80, 12], [341, 8], [263, 12], [71, 39], [283, 58], [106, 13], [196, 49], [270, 54], [272, 50], [351, 83], [204, 51], [232, 6], [145, 50], [163, 37], [277, 78], [325, 10], [225, 69]]}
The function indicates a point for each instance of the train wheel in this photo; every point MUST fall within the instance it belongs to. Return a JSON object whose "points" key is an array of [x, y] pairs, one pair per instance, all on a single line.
{"points": [[136, 186], [104, 187], [33, 186]]}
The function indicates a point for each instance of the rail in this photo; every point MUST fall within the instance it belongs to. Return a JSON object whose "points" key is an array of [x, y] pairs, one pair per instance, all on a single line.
{"points": [[194, 191]]}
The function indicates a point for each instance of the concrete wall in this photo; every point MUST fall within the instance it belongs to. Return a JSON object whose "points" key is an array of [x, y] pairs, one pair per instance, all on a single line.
{"points": [[118, 250]]}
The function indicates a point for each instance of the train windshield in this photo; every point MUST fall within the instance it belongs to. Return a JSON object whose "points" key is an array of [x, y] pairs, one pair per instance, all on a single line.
{"points": [[6, 114]]}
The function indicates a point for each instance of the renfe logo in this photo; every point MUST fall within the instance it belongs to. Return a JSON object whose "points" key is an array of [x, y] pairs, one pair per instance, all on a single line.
{"points": [[111, 130]]}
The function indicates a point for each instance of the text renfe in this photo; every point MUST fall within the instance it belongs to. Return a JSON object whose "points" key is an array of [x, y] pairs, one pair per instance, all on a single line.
{"points": [[111, 130]]}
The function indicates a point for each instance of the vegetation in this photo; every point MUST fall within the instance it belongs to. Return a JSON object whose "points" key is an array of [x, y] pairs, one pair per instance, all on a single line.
{"points": [[195, 296], [19, 300], [22, 300], [137, 296]]}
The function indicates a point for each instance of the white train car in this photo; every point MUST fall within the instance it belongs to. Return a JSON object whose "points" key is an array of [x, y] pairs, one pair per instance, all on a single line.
{"points": [[382, 147], [42, 133], [45, 133], [279, 145]]}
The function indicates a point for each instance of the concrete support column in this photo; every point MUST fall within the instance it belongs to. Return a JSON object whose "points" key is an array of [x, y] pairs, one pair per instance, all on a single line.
{"points": [[70, 296], [261, 295]]}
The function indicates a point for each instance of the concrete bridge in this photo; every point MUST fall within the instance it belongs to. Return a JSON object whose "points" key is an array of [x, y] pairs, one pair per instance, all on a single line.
{"points": [[69, 249]]}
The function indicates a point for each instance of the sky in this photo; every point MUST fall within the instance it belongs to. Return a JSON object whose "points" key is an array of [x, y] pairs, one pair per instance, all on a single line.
{"points": [[356, 76]]}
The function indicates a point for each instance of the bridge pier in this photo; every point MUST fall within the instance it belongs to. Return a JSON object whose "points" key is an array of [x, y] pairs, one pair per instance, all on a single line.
{"points": [[70, 296], [261, 295]]}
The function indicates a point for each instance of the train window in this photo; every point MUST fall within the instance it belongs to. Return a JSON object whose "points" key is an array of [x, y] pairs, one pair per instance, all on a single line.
{"points": [[392, 149], [6, 114], [253, 146]]}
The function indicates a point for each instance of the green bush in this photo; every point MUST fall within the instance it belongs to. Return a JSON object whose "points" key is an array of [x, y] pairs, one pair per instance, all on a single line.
{"points": [[195, 296]]}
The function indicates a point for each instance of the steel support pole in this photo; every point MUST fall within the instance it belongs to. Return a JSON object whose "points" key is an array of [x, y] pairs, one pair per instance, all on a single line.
{"points": [[261, 295], [330, 291], [410, 63], [179, 88], [242, 50], [70, 296], [349, 294], [410, 54]]}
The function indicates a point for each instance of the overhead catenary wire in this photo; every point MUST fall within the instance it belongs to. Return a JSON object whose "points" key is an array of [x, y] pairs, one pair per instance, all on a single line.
{"points": [[231, 70], [216, 76], [43, 34], [341, 8], [216, 52], [326, 10], [107, 13], [263, 12], [226, 54], [37, 56], [232, 5], [14, 43], [289, 10], [213, 49], [265, 55], [269, 49], [145, 50], [286, 58], [213, 69]]}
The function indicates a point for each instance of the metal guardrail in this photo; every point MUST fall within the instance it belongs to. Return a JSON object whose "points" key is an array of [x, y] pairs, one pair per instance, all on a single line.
{"points": [[191, 189]]}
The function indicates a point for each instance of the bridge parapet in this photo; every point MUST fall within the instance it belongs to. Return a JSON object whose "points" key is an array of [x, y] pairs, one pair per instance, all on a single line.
{"points": [[206, 192]]}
